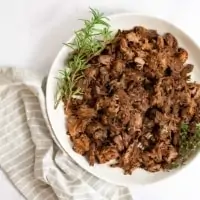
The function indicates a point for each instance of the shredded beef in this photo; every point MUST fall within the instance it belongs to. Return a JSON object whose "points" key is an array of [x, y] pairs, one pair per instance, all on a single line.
{"points": [[135, 95]]}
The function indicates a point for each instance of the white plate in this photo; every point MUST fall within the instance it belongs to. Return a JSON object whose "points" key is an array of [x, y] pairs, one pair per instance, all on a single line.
{"points": [[57, 117]]}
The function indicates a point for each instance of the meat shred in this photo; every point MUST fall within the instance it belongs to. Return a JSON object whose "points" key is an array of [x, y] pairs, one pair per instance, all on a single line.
{"points": [[136, 94]]}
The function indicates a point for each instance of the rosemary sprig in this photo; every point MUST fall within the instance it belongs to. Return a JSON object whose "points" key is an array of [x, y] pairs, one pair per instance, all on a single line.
{"points": [[188, 144], [89, 41]]}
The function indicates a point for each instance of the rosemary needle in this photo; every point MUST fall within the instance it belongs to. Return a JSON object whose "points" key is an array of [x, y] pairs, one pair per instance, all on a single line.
{"points": [[89, 41]]}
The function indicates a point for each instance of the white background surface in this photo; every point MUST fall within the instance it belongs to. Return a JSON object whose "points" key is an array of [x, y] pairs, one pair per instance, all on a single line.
{"points": [[32, 32]]}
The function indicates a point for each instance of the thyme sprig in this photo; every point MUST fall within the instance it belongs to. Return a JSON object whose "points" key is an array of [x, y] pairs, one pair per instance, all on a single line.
{"points": [[189, 144], [89, 42]]}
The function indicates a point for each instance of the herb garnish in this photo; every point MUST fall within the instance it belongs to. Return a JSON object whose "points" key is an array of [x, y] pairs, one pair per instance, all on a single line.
{"points": [[89, 41], [189, 144]]}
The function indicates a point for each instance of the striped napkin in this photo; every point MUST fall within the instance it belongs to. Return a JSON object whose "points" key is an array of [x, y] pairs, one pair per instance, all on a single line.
{"points": [[29, 156]]}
